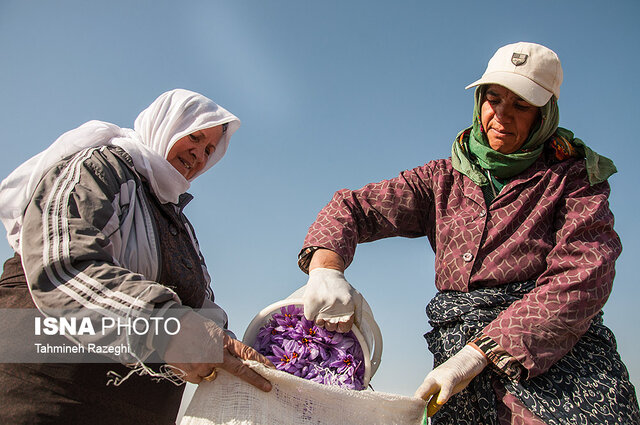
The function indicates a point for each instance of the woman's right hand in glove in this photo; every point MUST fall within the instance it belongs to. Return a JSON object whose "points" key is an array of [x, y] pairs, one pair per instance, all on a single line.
{"points": [[330, 301]]}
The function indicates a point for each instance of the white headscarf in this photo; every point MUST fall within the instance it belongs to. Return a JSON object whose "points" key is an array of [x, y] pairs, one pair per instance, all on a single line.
{"points": [[170, 117]]}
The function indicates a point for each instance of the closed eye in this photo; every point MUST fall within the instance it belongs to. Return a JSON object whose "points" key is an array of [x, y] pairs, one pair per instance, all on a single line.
{"points": [[492, 97], [523, 106]]}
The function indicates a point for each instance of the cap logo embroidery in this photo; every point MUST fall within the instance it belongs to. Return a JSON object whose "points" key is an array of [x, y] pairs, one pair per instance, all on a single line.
{"points": [[519, 58]]}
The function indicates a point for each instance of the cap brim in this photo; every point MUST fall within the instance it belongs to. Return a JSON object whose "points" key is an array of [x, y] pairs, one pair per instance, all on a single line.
{"points": [[520, 85]]}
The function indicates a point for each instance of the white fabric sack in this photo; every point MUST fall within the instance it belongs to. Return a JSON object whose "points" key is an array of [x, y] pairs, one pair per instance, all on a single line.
{"points": [[295, 401]]}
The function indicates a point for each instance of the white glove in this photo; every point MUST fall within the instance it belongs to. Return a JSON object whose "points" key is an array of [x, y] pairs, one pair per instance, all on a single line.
{"points": [[330, 301], [450, 378]]}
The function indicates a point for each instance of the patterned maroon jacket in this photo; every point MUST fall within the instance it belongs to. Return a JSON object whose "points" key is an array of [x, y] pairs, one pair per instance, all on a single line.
{"points": [[547, 224]]}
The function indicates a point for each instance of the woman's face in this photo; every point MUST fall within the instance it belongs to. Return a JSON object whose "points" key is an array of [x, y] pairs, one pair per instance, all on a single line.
{"points": [[190, 153], [506, 118]]}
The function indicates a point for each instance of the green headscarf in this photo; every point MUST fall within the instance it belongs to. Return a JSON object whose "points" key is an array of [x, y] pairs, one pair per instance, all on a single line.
{"points": [[471, 153]]}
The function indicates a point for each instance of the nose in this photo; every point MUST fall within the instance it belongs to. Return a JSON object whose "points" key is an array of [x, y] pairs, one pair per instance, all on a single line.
{"points": [[503, 112], [199, 154]]}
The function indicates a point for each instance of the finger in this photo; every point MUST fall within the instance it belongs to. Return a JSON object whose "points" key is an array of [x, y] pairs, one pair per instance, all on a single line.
{"points": [[213, 374], [330, 326], [311, 313], [198, 371], [446, 391], [190, 372], [245, 352], [427, 389], [344, 327], [422, 393], [320, 322], [235, 366]]}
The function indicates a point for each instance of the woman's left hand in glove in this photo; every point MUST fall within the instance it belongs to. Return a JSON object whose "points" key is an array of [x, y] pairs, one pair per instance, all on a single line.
{"points": [[450, 377]]}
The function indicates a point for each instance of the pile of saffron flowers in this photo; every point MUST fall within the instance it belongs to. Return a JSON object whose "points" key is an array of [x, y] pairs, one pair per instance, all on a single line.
{"points": [[297, 346]]}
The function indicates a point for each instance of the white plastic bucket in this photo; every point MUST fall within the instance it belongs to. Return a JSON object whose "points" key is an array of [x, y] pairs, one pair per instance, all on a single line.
{"points": [[367, 332]]}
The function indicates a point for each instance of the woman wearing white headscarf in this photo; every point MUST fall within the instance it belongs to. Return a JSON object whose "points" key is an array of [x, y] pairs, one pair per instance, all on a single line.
{"points": [[97, 226]]}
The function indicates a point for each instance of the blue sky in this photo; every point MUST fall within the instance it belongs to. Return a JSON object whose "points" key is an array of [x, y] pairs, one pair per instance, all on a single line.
{"points": [[332, 95]]}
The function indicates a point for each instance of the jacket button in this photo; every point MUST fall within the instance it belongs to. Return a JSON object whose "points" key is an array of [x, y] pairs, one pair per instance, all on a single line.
{"points": [[467, 256], [482, 213], [173, 230]]}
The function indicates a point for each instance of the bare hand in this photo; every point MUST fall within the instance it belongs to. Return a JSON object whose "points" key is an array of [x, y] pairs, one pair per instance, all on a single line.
{"points": [[234, 352], [201, 346]]}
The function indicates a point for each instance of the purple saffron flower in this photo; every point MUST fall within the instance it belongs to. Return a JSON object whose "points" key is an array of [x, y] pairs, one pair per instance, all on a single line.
{"points": [[297, 346], [268, 335], [286, 358], [344, 364], [289, 316], [312, 337]]}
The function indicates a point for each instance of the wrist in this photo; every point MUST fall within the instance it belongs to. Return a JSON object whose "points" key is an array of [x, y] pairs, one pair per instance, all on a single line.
{"points": [[474, 346], [478, 360], [326, 272], [326, 259]]}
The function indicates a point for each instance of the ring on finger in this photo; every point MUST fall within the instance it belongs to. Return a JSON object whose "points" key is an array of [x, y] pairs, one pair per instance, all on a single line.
{"points": [[210, 377]]}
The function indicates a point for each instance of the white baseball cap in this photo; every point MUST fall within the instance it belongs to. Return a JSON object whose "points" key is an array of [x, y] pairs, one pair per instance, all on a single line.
{"points": [[530, 70]]}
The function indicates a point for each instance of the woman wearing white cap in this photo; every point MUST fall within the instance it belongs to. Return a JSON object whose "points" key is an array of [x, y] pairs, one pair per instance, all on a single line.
{"points": [[97, 226], [525, 249]]}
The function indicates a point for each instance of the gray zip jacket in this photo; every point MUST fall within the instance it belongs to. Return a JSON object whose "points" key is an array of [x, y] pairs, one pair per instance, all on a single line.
{"points": [[89, 249]]}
